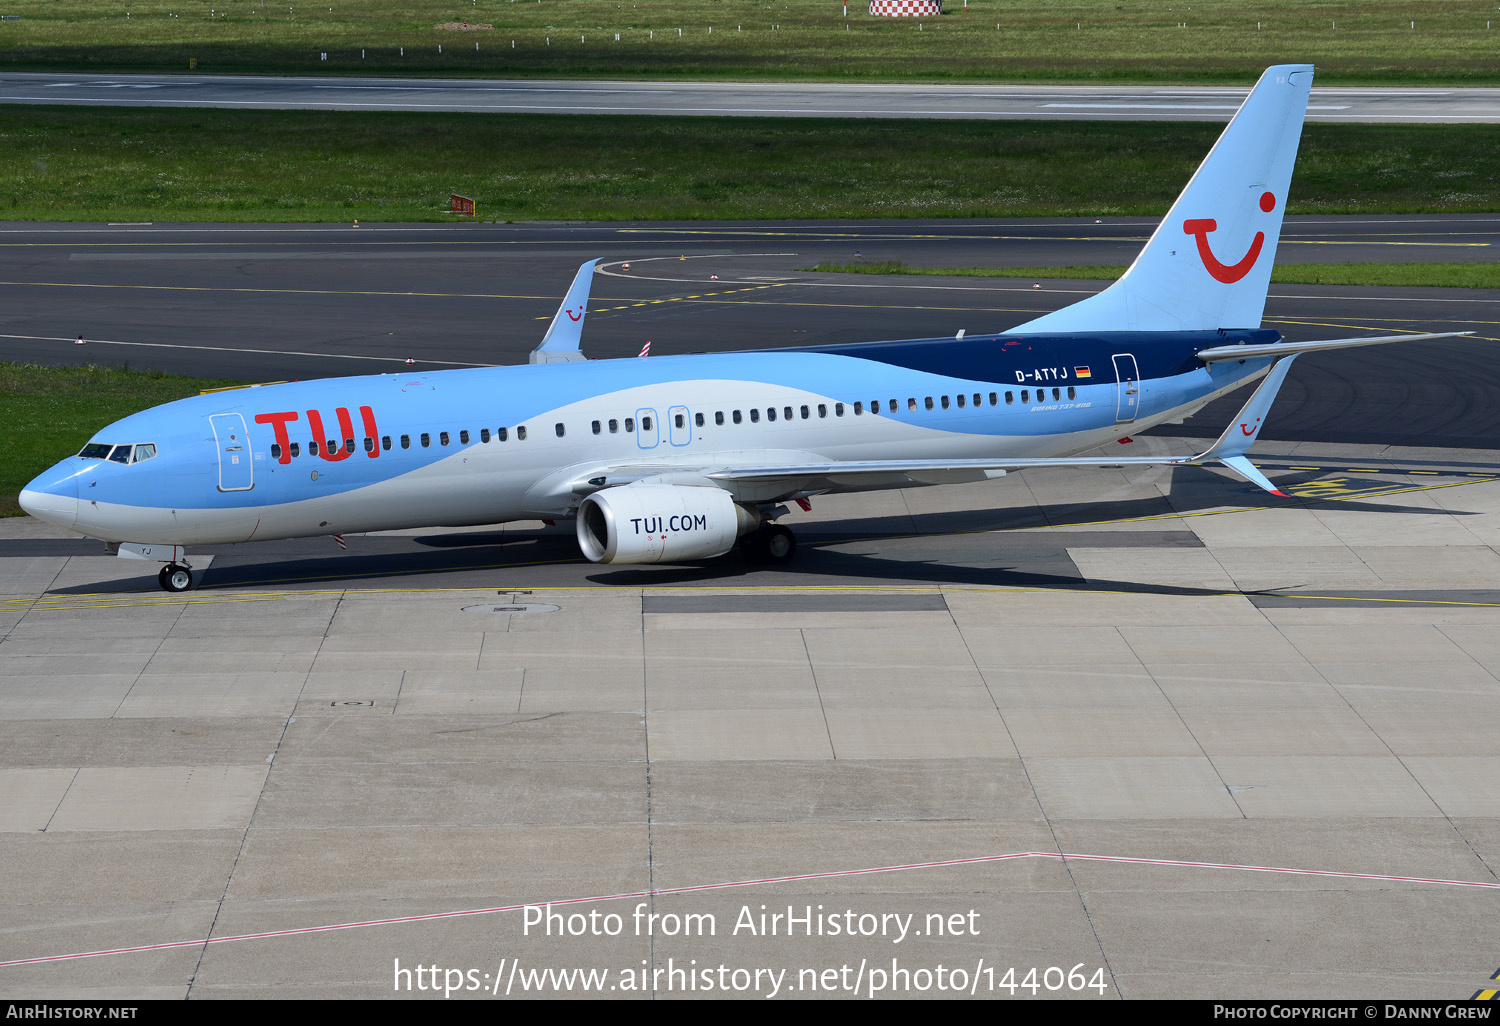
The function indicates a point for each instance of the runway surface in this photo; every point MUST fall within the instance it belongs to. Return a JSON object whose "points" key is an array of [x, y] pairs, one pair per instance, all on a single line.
{"points": [[752, 99], [1115, 733]]}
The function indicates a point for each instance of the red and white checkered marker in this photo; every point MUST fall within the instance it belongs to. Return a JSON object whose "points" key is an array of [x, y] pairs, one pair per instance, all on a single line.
{"points": [[906, 8], [646, 349]]}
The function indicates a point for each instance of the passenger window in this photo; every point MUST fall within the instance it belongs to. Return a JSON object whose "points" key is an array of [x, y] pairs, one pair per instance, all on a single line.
{"points": [[911, 404], [698, 419], [405, 442], [385, 442], [1056, 394], [806, 413], [895, 406], [1025, 395], [521, 433], [944, 401], [719, 417], [737, 416], [859, 408], [312, 448], [822, 409], [838, 409], [484, 436], [1072, 392], [755, 416], [679, 420], [630, 425], [645, 423], [787, 412], [296, 449], [560, 429], [994, 399], [1010, 398], [614, 426], [426, 439], [275, 451], [598, 428], [144, 451], [442, 438], [960, 398], [348, 445], [875, 406], [463, 438], [928, 402], [771, 413], [501, 434], [369, 445]]}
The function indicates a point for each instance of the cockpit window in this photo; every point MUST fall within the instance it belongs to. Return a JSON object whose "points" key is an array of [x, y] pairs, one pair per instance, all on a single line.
{"points": [[118, 453]]}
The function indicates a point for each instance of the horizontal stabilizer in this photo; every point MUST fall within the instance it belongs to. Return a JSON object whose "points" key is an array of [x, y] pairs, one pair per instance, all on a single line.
{"points": [[1217, 353]]}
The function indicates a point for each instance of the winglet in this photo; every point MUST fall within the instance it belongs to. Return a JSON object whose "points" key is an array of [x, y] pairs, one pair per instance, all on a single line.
{"points": [[1242, 432], [561, 343]]}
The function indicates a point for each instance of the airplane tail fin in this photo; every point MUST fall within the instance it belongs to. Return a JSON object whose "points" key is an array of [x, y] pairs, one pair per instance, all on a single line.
{"points": [[1208, 265]]}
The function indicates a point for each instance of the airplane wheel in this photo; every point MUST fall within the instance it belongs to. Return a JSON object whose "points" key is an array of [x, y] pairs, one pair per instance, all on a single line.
{"points": [[771, 544], [778, 543], [175, 578]]}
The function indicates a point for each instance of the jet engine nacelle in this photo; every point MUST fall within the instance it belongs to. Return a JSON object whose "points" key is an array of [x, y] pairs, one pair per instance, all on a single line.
{"points": [[660, 523]]}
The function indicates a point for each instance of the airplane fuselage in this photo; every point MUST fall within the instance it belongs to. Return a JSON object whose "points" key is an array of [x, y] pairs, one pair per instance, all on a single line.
{"points": [[482, 446]]}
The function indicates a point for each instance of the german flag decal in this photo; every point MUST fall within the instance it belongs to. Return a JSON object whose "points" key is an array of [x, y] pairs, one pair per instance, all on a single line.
{"points": [[1082, 372]]}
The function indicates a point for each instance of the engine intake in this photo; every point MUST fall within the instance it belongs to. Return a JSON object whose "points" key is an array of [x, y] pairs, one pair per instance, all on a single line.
{"points": [[660, 524]]}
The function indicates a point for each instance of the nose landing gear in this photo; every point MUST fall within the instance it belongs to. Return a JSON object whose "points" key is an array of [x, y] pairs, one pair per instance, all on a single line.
{"points": [[175, 577]]}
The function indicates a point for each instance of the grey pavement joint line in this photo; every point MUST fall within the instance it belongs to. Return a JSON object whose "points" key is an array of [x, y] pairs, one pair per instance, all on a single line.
{"points": [[1185, 725], [1046, 817], [822, 709], [1447, 817], [250, 821]]}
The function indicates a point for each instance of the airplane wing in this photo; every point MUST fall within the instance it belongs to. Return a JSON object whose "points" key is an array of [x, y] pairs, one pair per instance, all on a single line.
{"points": [[565, 333]]}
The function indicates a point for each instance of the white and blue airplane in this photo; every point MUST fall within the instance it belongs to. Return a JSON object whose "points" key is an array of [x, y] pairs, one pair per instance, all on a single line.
{"points": [[679, 458]]}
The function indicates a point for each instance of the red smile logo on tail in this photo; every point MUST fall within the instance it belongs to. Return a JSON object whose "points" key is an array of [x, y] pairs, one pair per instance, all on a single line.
{"points": [[1199, 228]]}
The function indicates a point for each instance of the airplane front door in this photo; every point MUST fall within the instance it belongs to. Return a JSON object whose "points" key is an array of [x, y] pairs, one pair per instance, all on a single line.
{"points": [[235, 472], [1128, 389]]}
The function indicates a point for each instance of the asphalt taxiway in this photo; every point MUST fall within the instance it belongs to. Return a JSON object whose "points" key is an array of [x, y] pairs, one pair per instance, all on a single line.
{"points": [[1145, 727]]}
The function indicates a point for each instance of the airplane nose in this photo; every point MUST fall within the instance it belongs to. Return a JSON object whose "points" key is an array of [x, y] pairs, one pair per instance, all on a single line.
{"points": [[53, 496]]}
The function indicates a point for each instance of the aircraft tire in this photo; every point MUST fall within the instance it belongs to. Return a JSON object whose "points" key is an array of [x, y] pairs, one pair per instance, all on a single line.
{"points": [[175, 578], [775, 544]]}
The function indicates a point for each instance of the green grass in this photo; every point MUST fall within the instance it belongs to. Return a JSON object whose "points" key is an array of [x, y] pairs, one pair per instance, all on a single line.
{"points": [[993, 40], [1469, 276], [92, 164], [49, 412]]}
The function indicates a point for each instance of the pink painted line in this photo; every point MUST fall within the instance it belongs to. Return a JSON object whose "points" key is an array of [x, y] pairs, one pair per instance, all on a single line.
{"points": [[695, 888]]}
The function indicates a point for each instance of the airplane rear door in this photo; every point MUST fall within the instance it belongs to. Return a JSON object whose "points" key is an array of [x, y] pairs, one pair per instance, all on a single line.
{"points": [[1128, 390], [230, 438]]}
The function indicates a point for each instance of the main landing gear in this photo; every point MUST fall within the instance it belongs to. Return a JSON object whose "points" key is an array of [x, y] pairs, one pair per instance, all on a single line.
{"points": [[771, 543], [175, 577]]}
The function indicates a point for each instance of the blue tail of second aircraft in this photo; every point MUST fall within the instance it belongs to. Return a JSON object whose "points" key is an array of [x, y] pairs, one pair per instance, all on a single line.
{"points": [[1208, 265]]}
